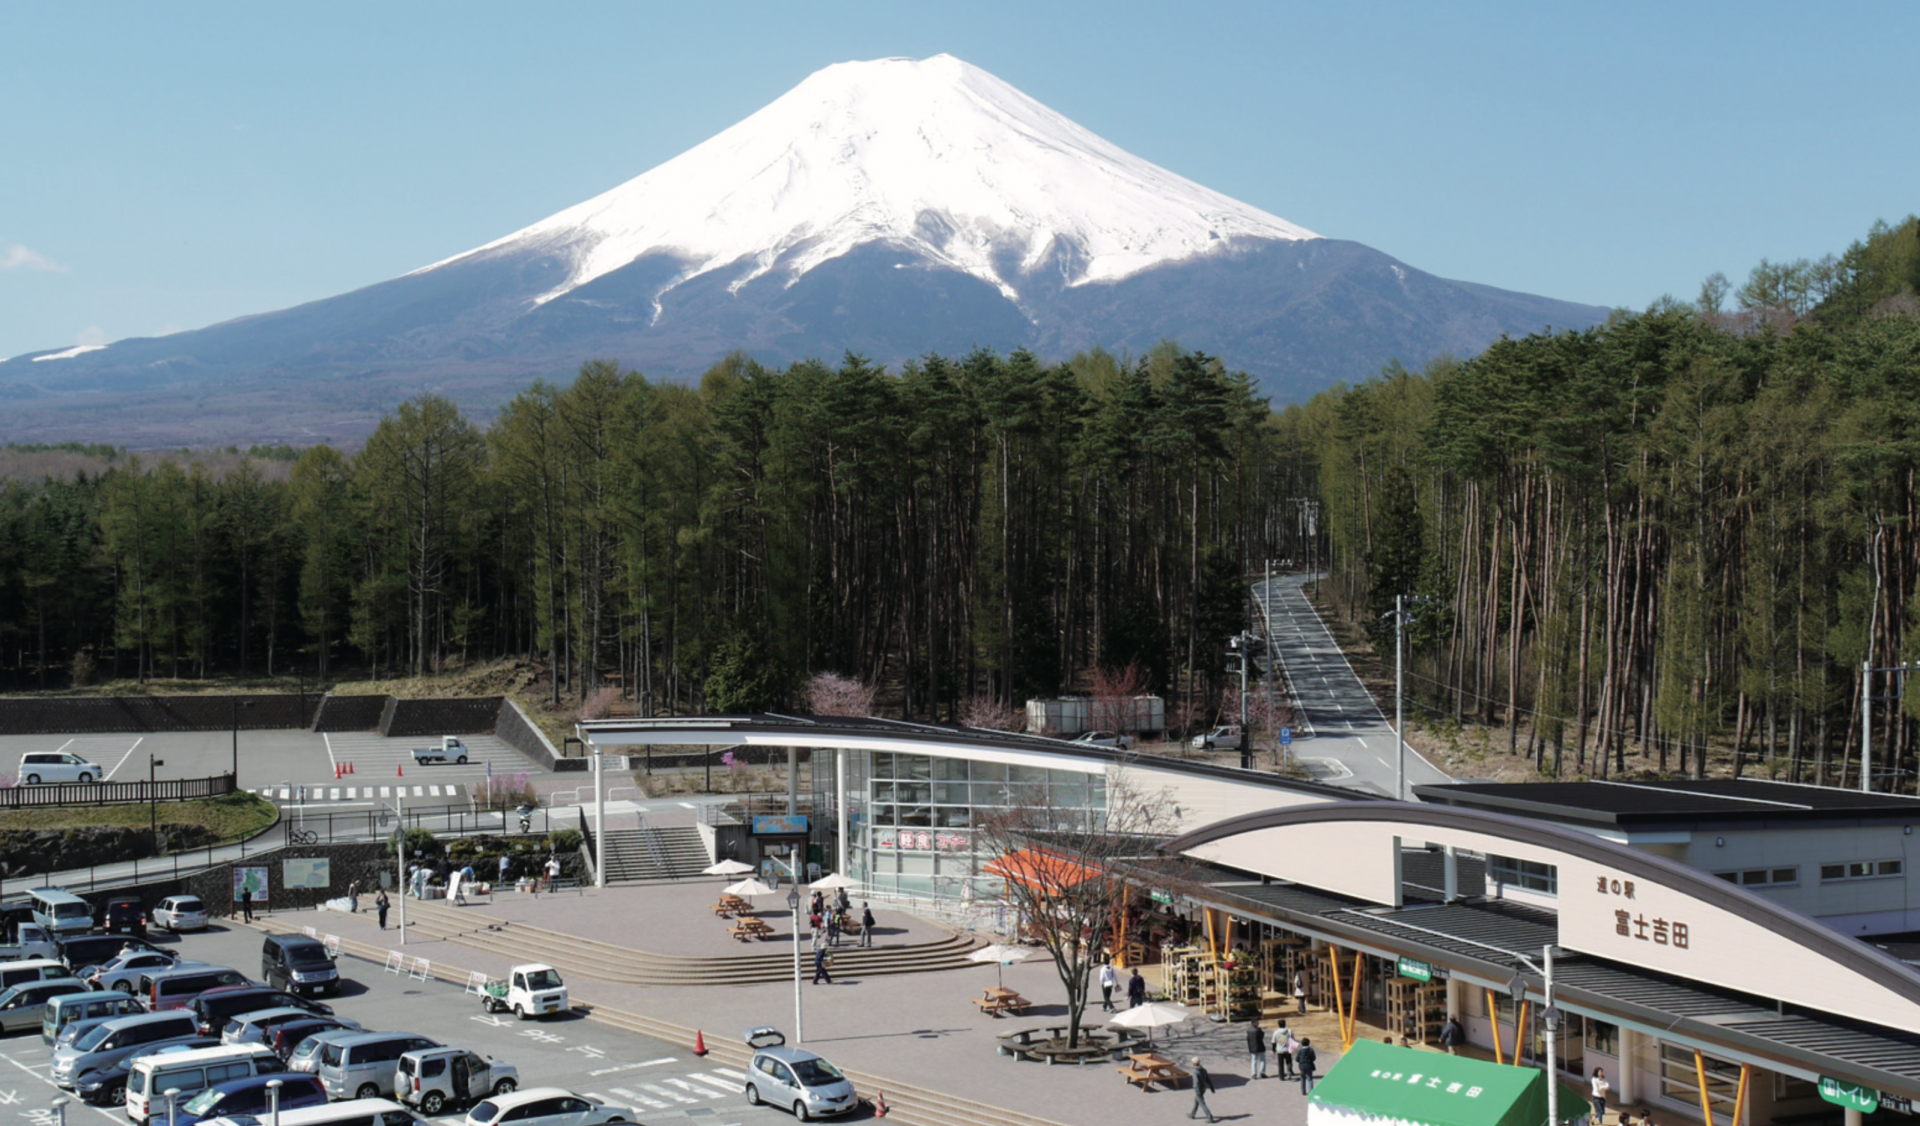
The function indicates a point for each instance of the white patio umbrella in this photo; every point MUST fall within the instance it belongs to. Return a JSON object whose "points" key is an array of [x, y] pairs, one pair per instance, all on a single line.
{"points": [[750, 888], [834, 880], [1156, 1014], [727, 867], [1000, 955]]}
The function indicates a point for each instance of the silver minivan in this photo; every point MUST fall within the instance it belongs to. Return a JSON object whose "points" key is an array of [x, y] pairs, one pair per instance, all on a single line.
{"points": [[363, 1066], [107, 1043], [25, 1005]]}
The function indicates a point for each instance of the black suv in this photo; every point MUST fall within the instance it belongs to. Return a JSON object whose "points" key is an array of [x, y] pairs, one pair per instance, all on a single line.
{"points": [[125, 916], [298, 964], [214, 1008]]}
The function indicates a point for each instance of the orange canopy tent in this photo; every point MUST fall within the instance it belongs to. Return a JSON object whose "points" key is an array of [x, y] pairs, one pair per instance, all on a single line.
{"points": [[1042, 872]]}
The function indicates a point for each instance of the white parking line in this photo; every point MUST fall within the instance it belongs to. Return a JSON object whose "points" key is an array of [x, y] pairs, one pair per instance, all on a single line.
{"points": [[332, 763], [48, 1080], [123, 758]]}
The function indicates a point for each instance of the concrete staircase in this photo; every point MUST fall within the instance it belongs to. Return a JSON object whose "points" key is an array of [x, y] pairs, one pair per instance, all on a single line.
{"points": [[604, 961], [654, 854]]}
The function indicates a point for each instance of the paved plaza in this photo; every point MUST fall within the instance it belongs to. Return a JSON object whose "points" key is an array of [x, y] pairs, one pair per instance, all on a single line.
{"points": [[921, 1028]]}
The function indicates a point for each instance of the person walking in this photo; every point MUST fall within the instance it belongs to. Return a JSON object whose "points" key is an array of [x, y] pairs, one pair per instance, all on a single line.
{"points": [[380, 904], [1284, 1045], [1202, 1086], [553, 870], [866, 925], [353, 898], [1136, 990], [1306, 1059], [833, 930], [1599, 1086], [1109, 981], [1256, 1050], [246, 903], [1300, 991], [506, 866], [1452, 1035], [820, 961]]}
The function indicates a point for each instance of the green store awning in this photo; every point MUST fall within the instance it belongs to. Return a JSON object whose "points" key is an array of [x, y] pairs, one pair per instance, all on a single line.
{"points": [[1436, 1089]]}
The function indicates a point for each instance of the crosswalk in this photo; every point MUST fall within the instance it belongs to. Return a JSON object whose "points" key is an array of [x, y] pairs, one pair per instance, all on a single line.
{"points": [[678, 1091], [451, 793]]}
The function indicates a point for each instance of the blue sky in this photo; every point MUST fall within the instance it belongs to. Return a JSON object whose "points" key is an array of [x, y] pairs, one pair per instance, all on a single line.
{"points": [[170, 166]]}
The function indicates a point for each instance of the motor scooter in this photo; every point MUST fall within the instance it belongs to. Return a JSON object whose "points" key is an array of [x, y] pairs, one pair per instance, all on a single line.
{"points": [[526, 818]]}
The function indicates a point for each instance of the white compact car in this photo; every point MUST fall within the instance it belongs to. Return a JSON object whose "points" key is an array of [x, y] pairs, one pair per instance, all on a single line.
{"points": [[181, 913], [547, 1106], [39, 767]]}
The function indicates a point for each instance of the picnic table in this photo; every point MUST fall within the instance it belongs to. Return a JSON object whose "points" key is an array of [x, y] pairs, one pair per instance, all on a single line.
{"points": [[747, 927], [999, 999], [732, 905], [1148, 1068]]}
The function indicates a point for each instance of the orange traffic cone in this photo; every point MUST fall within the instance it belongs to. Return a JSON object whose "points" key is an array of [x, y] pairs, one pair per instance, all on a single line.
{"points": [[699, 1043], [880, 1104], [399, 772], [349, 766], [336, 772]]}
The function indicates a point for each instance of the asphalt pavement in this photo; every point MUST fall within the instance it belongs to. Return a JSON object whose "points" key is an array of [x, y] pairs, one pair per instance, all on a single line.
{"points": [[1341, 736]]}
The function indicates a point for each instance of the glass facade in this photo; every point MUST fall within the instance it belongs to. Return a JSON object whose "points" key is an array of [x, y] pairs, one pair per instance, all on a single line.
{"points": [[912, 818]]}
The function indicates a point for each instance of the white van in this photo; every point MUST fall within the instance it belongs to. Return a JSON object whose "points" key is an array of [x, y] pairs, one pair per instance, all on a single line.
{"points": [[29, 969], [192, 1072], [61, 911], [353, 1112], [57, 766]]}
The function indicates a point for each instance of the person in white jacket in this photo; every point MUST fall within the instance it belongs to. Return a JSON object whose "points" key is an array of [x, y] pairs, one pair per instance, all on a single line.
{"points": [[1600, 1087]]}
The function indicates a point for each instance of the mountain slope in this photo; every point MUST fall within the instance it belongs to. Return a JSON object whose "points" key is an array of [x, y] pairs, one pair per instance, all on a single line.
{"points": [[889, 208]]}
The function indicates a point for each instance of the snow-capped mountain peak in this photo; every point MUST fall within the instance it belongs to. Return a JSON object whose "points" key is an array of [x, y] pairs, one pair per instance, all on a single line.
{"points": [[933, 156]]}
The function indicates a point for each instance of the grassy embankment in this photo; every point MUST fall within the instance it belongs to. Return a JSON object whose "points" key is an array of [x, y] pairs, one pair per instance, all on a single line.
{"points": [[230, 818]]}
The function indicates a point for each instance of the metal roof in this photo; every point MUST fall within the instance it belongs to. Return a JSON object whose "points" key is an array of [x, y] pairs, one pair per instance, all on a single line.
{"points": [[1628, 803]]}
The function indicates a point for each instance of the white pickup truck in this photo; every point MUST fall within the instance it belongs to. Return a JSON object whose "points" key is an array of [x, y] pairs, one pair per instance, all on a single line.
{"points": [[451, 749], [530, 990], [28, 940]]}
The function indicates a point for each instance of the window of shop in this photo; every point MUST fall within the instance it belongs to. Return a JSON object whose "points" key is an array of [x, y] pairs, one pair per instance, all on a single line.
{"points": [[1602, 1037], [1528, 875], [1860, 870], [1763, 877], [1679, 1079]]}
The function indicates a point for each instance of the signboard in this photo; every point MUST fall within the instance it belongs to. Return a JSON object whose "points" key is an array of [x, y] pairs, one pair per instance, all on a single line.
{"points": [[1899, 1104], [1286, 736], [780, 825], [1418, 971], [307, 873], [250, 879], [1853, 1096]]}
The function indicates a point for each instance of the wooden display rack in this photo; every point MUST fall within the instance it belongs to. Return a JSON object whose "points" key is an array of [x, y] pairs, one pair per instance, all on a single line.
{"points": [[1416, 1010]]}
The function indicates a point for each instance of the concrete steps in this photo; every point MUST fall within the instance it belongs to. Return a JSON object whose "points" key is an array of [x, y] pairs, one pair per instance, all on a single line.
{"points": [[654, 854], [604, 961]]}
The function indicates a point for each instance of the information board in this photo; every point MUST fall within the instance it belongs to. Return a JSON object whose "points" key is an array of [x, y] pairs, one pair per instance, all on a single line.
{"points": [[308, 872], [250, 879]]}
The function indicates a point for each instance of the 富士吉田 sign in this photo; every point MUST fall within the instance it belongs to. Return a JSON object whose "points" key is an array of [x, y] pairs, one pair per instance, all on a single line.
{"points": [[780, 825], [1853, 1096]]}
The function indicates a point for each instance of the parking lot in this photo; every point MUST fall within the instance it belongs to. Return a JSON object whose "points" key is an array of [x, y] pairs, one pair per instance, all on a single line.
{"points": [[278, 763], [658, 1080]]}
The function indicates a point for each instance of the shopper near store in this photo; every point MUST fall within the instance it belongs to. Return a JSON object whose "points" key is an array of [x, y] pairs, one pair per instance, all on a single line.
{"points": [[1256, 1050], [1202, 1087], [1136, 990], [1109, 981], [1452, 1035], [1600, 1087], [1306, 1059], [1284, 1046]]}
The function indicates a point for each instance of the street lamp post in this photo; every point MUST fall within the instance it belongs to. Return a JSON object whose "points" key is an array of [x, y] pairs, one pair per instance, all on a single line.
{"points": [[153, 805], [1549, 1019], [793, 907], [399, 808]]}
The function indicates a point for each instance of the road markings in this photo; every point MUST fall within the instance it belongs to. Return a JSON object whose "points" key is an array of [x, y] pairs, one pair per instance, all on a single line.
{"points": [[637, 1097], [633, 1066], [497, 1022], [542, 1036], [333, 764], [588, 1050], [676, 1096], [124, 758], [710, 1080], [693, 1088]]}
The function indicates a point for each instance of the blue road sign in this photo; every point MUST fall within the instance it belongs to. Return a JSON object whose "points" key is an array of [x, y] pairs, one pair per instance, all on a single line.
{"points": [[1286, 736]]}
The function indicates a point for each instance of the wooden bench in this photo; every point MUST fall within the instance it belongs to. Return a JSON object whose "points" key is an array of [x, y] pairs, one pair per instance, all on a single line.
{"points": [[998, 1005], [750, 928]]}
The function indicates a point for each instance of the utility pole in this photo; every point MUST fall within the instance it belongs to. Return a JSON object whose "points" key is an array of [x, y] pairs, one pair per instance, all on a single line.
{"points": [[1246, 734], [1400, 697], [1273, 656], [1866, 725]]}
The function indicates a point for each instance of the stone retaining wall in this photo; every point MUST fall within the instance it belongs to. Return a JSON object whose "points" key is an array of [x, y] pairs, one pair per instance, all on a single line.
{"points": [[350, 713], [118, 715], [478, 715]]}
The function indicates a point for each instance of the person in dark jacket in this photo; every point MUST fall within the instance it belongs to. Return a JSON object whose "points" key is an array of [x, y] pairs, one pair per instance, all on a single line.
{"points": [[866, 925], [1256, 1051], [1452, 1035], [1305, 1059], [1284, 1045], [1202, 1087], [1136, 990], [820, 968], [380, 905]]}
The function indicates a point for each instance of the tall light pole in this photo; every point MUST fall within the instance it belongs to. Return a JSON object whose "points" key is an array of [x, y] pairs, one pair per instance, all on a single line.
{"points": [[1549, 1017], [1400, 698], [399, 808], [153, 807], [793, 906]]}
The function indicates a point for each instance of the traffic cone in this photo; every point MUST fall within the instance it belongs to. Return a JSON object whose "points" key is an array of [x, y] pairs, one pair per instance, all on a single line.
{"points": [[880, 1104], [336, 772], [699, 1043], [399, 771], [349, 766]]}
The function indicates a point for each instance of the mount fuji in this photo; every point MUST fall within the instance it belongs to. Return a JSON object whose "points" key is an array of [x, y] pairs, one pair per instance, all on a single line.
{"points": [[889, 208]]}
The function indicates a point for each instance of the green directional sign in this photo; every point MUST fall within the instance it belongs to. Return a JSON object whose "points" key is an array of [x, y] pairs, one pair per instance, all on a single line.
{"points": [[1418, 971], [1853, 1096]]}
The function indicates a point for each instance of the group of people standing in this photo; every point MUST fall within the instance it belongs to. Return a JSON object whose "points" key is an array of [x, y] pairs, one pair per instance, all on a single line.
{"points": [[830, 922]]}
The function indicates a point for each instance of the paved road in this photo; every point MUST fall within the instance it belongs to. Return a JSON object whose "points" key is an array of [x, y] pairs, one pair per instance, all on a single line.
{"points": [[1344, 739], [659, 1080]]}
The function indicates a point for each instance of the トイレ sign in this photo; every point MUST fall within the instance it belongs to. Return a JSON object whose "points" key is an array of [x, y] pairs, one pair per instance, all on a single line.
{"points": [[1853, 1096]]}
